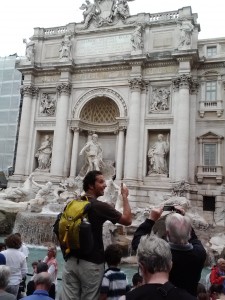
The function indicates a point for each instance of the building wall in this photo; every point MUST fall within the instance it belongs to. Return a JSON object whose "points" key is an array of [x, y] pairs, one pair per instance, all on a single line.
{"points": [[10, 82], [159, 87]]}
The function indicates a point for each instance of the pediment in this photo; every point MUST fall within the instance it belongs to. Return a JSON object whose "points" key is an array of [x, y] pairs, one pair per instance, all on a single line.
{"points": [[210, 135]]}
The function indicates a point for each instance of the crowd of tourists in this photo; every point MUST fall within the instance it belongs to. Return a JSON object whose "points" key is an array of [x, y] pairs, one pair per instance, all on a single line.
{"points": [[14, 271], [169, 267]]}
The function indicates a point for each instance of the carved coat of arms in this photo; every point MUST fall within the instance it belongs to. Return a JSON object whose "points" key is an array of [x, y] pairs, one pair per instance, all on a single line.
{"points": [[105, 12]]}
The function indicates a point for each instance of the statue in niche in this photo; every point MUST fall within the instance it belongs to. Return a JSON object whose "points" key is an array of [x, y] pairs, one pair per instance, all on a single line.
{"points": [[136, 39], [44, 154], [93, 153], [89, 11], [186, 29], [65, 49], [29, 50], [48, 105], [160, 100], [157, 155]]}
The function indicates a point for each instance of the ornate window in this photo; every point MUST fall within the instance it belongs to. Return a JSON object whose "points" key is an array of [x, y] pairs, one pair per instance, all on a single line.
{"points": [[211, 95], [211, 51], [210, 167], [211, 91], [100, 110]]}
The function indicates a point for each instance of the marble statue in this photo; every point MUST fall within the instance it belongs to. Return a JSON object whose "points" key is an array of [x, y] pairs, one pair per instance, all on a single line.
{"points": [[136, 39], [180, 188], [186, 29], [111, 192], [65, 49], [19, 194], [40, 199], [93, 153], [29, 50], [122, 9], [44, 190], [48, 105], [157, 156], [44, 153], [160, 100], [89, 11]]}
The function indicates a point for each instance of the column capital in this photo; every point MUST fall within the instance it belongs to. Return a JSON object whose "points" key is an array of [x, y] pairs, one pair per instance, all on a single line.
{"points": [[138, 83], [185, 81], [75, 129], [64, 88], [29, 90], [120, 129]]}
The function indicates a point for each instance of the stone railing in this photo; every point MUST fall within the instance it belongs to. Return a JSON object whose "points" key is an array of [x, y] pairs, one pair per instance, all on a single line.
{"points": [[55, 30], [170, 15], [211, 106], [215, 172]]}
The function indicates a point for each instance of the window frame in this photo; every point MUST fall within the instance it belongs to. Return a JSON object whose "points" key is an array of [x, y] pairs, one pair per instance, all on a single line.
{"points": [[211, 51], [211, 91]]}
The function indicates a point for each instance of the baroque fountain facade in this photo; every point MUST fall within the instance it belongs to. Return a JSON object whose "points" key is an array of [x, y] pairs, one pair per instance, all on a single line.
{"points": [[143, 85]]}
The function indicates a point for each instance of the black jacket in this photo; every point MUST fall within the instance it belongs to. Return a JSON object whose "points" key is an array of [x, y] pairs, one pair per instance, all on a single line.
{"points": [[188, 260]]}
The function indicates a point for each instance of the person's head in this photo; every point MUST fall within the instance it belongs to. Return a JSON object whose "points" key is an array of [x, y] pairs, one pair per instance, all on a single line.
{"points": [[42, 267], [2, 247], [221, 264], [137, 280], [42, 281], [113, 255], [215, 290], [94, 183], [154, 256], [4, 276], [201, 292], [34, 266], [13, 241], [52, 251], [178, 228]]}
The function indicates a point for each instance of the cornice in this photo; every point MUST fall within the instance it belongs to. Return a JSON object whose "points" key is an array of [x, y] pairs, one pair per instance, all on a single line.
{"points": [[161, 64], [210, 65], [102, 69]]}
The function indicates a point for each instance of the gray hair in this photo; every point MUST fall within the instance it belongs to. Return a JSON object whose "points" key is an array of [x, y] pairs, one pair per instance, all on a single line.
{"points": [[4, 276], [178, 228], [154, 254], [43, 278]]}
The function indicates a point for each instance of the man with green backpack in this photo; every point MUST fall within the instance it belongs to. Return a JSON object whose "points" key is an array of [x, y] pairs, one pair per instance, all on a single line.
{"points": [[83, 270]]}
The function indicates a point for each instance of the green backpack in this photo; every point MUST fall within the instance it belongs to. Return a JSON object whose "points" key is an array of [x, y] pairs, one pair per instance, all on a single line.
{"points": [[73, 229]]}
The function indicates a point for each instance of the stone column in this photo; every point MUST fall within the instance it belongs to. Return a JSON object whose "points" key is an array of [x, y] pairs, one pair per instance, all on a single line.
{"points": [[201, 152], [73, 165], [142, 160], [60, 133], [120, 154], [218, 163], [133, 130], [28, 91], [184, 83]]}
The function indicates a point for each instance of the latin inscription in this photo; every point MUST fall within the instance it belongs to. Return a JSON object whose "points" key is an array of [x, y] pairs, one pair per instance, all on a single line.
{"points": [[102, 75], [103, 45], [162, 70]]}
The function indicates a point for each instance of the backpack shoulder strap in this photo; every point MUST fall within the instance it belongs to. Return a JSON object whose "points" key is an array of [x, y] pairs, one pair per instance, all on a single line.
{"points": [[165, 288]]}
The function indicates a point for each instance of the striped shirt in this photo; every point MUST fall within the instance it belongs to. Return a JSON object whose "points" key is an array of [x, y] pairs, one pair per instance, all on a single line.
{"points": [[114, 284]]}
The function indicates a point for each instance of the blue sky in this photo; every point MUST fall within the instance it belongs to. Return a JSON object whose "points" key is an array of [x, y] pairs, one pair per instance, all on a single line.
{"points": [[18, 18]]}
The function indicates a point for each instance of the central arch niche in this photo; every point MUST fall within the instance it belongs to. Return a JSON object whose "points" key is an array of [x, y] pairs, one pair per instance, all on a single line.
{"points": [[100, 115], [100, 110]]}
